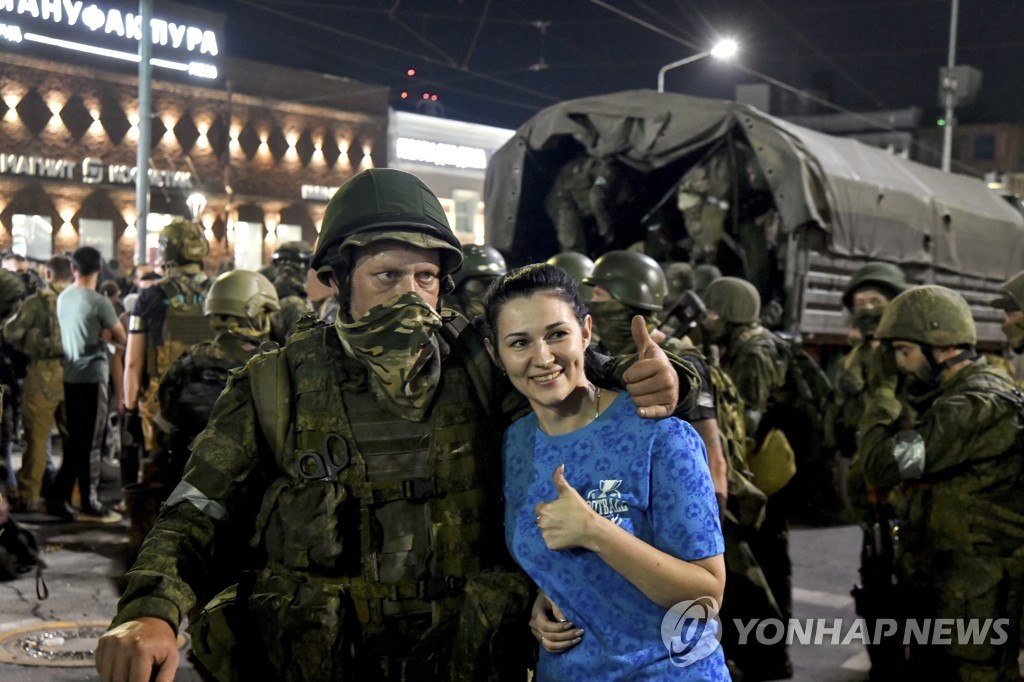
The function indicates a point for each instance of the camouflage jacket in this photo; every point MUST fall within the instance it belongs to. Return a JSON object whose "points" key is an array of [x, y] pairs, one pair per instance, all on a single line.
{"points": [[753, 362], [285, 321], [960, 463], [846, 406]]}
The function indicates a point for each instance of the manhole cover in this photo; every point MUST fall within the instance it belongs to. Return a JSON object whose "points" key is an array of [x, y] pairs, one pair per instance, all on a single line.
{"points": [[60, 643]]}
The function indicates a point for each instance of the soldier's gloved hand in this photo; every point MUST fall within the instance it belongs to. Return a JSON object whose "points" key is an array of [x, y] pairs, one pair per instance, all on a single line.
{"points": [[131, 430], [883, 372]]}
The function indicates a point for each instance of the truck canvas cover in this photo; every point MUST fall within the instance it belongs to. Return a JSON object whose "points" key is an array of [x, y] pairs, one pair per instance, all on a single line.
{"points": [[864, 203]]}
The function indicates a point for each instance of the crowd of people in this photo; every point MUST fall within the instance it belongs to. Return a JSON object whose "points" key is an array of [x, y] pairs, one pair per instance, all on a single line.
{"points": [[458, 471]]}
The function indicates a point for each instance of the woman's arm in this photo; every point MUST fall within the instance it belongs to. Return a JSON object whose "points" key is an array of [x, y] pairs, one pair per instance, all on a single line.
{"points": [[568, 521]]}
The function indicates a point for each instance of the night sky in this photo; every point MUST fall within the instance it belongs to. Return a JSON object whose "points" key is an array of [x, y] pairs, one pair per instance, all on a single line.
{"points": [[500, 61]]}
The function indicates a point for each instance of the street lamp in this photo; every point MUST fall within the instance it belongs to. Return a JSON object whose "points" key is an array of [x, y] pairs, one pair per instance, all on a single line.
{"points": [[723, 49]]}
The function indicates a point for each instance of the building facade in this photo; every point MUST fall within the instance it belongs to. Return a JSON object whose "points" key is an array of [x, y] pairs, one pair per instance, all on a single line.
{"points": [[256, 146]]}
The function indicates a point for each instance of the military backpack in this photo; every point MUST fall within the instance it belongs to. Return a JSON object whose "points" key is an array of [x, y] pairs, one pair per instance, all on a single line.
{"points": [[185, 325]]}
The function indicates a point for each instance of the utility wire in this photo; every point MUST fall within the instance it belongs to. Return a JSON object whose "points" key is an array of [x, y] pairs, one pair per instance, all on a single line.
{"points": [[870, 122], [337, 31]]}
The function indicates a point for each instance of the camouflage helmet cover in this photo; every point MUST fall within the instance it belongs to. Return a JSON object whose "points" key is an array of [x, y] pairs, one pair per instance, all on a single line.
{"points": [[241, 293], [632, 278], [183, 242], [931, 315], [1012, 297], [735, 300], [379, 204], [884, 277], [480, 261], [576, 264]]}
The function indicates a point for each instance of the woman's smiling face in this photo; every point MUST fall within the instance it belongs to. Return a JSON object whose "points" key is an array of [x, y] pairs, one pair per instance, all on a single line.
{"points": [[541, 346]]}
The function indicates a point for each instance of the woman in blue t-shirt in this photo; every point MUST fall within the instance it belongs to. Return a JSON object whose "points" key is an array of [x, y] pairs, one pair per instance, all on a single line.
{"points": [[613, 516]]}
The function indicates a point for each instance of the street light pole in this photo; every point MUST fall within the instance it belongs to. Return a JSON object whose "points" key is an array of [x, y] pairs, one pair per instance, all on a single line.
{"points": [[723, 49], [681, 62], [949, 87]]}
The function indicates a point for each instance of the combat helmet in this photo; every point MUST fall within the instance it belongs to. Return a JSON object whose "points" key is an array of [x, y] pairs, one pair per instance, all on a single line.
{"points": [[244, 294], [885, 277], [930, 315], [183, 242], [632, 278], [576, 264], [735, 300], [703, 275], [1012, 296], [378, 204], [293, 252], [480, 261]]}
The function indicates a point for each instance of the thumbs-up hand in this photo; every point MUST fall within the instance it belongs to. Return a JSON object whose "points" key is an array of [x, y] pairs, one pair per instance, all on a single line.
{"points": [[652, 382], [566, 521]]}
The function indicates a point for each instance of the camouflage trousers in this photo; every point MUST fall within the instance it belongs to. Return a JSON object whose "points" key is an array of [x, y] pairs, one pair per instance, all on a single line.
{"points": [[310, 631], [945, 585], [42, 403]]}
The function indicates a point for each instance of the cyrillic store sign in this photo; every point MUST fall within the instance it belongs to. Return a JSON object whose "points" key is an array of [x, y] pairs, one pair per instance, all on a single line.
{"points": [[93, 171], [184, 40], [440, 153], [317, 193]]}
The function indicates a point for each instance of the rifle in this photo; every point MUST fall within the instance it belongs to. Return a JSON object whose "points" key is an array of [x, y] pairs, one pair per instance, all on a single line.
{"points": [[877, 596]]}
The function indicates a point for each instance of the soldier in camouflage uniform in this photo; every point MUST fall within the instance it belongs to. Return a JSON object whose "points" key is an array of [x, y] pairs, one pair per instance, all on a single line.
{"points": [[1011, 302], [582, 203], [958, 461], [240, 305], [152, 346], [480, 267], [870, 289], [363, 461], [12, 290], [35, 331], [291, 268]]}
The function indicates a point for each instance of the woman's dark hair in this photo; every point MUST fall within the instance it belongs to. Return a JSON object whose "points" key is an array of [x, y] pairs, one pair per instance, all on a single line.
{"points": [[549, 279]]}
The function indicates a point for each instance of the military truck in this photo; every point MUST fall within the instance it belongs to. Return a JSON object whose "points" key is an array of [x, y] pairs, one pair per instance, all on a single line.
{"points": [[793, 210]]}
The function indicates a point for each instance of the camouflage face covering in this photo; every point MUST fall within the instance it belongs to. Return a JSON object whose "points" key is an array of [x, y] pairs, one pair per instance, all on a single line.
{"points": [[397, 342], [613, 325], [866, 321]]}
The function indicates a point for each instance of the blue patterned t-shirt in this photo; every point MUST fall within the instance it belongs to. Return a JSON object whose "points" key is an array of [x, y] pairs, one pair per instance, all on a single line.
{"points": [[651, 477]]}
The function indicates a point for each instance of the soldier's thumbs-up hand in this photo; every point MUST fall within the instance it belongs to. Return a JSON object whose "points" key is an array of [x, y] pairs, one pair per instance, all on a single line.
{"points": [[652, 382], [566, 521]]}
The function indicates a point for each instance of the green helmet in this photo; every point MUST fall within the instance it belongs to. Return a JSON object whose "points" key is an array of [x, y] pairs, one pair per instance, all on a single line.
{"points": [[293, 252], [735, 300], [183, 242], [931, 315], [1012, 297], [241, 293], [631, 278], [480, 261], [703, 275], [384, 203], [679, 278], [885, 277], [576, 264]]}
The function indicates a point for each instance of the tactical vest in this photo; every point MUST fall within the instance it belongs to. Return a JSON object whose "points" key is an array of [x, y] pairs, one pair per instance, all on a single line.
{"points": [[49, 345], [389, 510], [746, 501], [185, 325]]}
